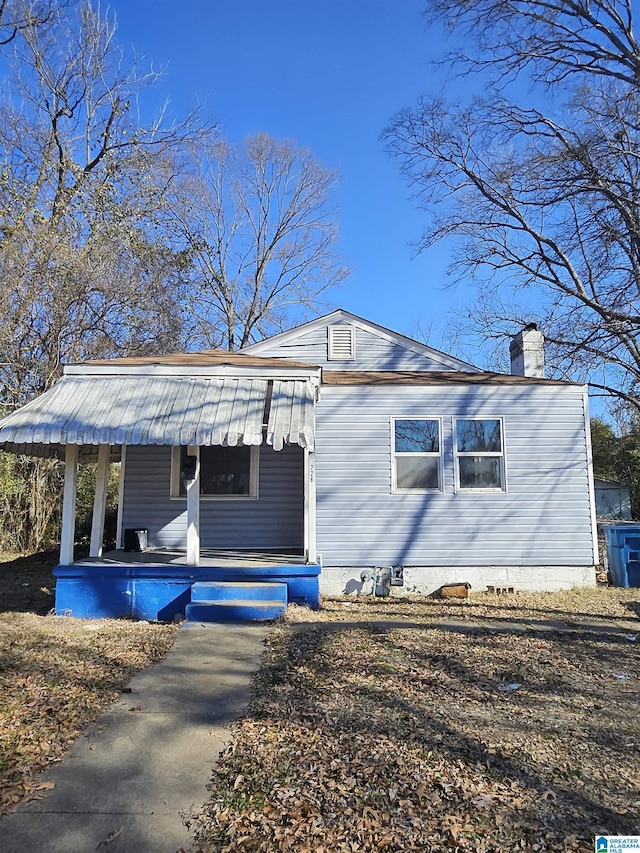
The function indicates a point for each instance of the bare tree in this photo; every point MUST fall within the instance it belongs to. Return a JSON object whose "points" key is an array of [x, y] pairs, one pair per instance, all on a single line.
{"points": [[86, 269], [551, 39], [257, 227], [540, 177], [86, 265], [19, 15]]}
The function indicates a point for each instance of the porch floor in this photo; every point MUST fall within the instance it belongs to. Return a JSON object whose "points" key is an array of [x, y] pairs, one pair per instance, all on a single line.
{"points": [[209, 558]]}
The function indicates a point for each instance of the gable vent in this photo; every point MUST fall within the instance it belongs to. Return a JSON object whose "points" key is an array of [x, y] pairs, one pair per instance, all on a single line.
{"points": [[341, 343]]}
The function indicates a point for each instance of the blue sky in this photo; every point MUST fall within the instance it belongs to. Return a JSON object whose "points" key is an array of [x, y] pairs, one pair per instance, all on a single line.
{"points": [[329, 74]]}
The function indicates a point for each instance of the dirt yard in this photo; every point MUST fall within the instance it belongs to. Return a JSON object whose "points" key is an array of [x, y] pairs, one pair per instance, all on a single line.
{"points": [[501, 723], [56, 673]]}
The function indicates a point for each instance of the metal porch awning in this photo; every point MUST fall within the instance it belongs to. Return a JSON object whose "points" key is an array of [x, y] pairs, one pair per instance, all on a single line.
{"points": [[90, 410]]}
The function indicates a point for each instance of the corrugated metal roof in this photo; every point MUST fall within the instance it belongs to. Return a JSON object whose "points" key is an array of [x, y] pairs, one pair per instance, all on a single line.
{"points": [[291, 414], [171, 410]]}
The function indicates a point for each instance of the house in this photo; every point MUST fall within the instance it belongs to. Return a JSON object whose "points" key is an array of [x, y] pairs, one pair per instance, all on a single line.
{"points": [[335, 457], [613, 500]]}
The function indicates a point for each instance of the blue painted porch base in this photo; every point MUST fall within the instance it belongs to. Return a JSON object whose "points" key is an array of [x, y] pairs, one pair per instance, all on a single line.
{"points": [[162, 592]]}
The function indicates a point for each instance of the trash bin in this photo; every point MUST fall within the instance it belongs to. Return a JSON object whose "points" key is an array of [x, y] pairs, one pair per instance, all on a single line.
{"points": [[623, 552], [633, 573], [135, 540]]}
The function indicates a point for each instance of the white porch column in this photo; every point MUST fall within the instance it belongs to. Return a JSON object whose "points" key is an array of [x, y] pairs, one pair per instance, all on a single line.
{"points": [[100, 501], [67, 535], [193, 511], [310, 506], [123, 460]]}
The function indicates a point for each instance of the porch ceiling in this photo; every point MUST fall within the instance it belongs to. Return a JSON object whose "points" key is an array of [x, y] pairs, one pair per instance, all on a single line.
{"points": [[90, 410]]}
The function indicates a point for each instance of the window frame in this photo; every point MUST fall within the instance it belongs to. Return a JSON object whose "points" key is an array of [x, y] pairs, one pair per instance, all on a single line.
{"points": [[493, 454], [395, 489], [254, 477]]}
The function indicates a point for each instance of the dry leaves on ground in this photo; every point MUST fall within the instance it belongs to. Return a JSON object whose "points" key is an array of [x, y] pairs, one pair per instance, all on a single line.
{"points": [[56, 675], [571, 607], [27, 583], [364, 736]]}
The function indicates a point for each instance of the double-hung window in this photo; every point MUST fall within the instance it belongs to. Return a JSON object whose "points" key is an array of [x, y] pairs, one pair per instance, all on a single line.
{"points": [[479, 453], [225, 472], [417, 454]]}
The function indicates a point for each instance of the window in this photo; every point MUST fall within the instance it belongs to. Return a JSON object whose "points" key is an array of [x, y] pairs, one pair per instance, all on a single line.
{"points": [[341, 343], [417, 460], [479, 448], [225, 472]]}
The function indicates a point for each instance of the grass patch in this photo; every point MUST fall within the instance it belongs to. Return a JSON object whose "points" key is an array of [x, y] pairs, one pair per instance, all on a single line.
{"points": [[366, 734]]}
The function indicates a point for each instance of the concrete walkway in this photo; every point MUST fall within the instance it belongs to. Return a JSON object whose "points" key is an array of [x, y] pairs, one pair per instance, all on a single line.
{"points": [[143, 767]]}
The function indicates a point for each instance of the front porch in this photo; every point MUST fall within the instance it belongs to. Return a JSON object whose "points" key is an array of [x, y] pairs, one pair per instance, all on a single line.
{"points": [[216, 450], [158, 584]]}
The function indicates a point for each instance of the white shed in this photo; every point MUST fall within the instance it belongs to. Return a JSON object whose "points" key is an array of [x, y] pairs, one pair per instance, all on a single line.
{"points": [[613, 501]]}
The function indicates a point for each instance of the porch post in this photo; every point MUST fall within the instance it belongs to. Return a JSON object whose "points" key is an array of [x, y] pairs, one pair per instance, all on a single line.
{"points": [[310, 506], [123, 460], [67, 535], [193, 511], [100, 501]]}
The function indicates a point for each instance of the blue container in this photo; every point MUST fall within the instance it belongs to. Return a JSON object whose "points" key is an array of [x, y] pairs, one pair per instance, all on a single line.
{"points": [[623, 552], [633, 573]]}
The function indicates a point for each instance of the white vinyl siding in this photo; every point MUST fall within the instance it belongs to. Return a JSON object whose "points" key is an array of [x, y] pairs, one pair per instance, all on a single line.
{"points": [[372, 352], [274, 521], [543, 519]]}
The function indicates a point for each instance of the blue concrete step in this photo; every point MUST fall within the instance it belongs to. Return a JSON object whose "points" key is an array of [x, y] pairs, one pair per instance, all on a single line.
{"points": [[246, 590], [234, 610], [236, 601]]}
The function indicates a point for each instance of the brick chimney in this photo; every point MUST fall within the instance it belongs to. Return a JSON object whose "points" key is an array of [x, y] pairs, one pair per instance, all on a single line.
{"points": [[527, 352]]}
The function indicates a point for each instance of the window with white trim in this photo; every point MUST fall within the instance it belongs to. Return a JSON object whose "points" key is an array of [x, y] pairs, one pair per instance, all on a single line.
{"points": [[226, 473], [341, 343], [416, 454], [479, 453]]}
